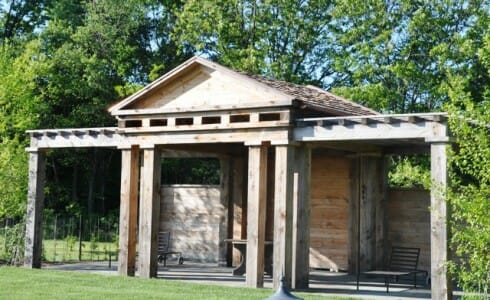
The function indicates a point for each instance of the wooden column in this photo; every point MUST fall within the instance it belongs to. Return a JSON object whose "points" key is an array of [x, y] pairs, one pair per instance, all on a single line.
{"points": [[149, 212], [257, 197], [224, 200], [381, 213], [367, 219], [283, 214], [35, 205], [301, 219], [440, 279], [238, 195], [354, 194], [370, 195], [128, 211]]}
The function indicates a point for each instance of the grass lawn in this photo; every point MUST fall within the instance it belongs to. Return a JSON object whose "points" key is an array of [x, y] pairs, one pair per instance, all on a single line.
{"points": [[20, 283], [61, 250]]}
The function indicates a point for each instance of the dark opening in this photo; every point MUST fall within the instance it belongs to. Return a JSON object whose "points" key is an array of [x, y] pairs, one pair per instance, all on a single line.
{"points": [[191, 171], [211, 120], [158, 122], [133, 123], [184, 121], [239, 118], [269, 117]]}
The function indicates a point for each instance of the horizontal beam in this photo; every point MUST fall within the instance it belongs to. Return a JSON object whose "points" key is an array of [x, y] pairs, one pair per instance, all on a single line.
{"points": [[112, 138], [349, 131]]}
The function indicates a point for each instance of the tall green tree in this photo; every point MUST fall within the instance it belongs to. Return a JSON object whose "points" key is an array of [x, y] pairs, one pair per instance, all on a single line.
{"points": [[392, 55], [20, 110], [283, 39], [469, 106]]}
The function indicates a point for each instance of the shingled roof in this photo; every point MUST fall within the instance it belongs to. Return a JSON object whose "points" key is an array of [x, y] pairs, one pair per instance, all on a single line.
{"points": [[314, 95]]}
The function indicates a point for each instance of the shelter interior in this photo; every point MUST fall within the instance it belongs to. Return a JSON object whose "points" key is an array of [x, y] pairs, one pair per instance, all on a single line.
{"points": [[299, 167]]}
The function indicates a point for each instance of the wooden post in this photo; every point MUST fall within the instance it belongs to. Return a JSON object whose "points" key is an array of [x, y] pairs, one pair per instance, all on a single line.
{"points": [[35, 205], [257, 197], [238, 210], [301, 219], [369, 193], [283, 214], [224, 199], [354, 194], [128, 211], [149, 213], [440, 279], [381, 213]]}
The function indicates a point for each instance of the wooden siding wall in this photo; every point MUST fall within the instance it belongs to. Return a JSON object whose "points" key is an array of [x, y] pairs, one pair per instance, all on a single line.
{"points": [[192, 214], [409, 222], [329, 239]]}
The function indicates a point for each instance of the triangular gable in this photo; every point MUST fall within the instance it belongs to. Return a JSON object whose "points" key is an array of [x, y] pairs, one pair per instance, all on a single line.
{"points": [[201, 84]]}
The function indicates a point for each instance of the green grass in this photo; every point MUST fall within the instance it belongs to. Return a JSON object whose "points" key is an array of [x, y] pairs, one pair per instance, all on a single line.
{"points": [[61, 250], [20, 283]]}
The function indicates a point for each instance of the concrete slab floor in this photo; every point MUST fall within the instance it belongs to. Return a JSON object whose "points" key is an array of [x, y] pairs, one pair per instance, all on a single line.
{"points": [[321, 282]]}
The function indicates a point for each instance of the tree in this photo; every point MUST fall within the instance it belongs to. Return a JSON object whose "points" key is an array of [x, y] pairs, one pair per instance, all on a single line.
{"points": [[20, 110], [392, 55], [470, 193], [278, 38]]}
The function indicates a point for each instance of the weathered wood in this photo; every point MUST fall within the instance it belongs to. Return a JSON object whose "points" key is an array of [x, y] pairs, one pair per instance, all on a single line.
{"points": [[149, 213], [224, 200], [257, 197], [440, 279], [141, 136], [329, 211], [35, 205], [381, 213], [301, 218], [354, 195], [369, 196], [237, 193], [358, 131], [198, 82], [409, 208], [128, 211], [283, 214]]}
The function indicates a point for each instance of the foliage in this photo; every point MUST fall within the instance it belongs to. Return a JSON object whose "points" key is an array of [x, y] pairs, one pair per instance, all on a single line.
{"points": [[410, 172], [14, 243], [470, 160], [20, 109], [392, 55], [191, 171], [279, 38]]}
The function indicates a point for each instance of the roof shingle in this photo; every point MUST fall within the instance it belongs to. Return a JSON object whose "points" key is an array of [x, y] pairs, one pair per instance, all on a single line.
{"points": [[314, 95]]}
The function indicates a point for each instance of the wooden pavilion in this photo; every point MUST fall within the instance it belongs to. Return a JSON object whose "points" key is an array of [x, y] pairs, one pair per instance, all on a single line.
{"points": [[300, 167]]}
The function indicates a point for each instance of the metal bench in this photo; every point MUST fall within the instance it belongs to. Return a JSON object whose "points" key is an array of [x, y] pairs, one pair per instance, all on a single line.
{"points": [[403, 262], [164, 248]]}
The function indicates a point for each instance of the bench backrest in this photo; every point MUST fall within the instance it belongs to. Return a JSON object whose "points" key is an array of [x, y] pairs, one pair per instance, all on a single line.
{"points": [[404, 259], [163, 241]]}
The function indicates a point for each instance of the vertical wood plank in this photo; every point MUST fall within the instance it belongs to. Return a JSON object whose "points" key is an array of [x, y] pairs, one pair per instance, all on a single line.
{"points": [[149, 213], [35, 205], [369, 195], [128, 211], [283, 214], [440, 279], [381, 212], [301, 219], [224, 200], [239, 211], [354, 194], [257, 197]]}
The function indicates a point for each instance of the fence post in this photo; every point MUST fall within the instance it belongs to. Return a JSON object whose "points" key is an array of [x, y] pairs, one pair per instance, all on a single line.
{"points": [[80, 239], [54, 237]]}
